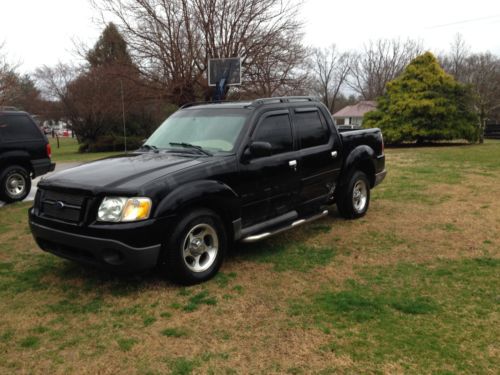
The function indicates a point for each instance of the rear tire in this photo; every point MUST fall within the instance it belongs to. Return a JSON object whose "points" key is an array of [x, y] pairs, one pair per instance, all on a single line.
{"points": [[196, 248], [354, 198], [15, 184]]}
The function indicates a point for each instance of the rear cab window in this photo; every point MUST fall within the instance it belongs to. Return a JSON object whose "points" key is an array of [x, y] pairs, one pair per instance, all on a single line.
{"points": [[311, 127]]}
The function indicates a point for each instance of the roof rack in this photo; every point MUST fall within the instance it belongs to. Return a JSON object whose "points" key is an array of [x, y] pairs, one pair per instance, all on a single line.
{"points": [[194, 104], [284, 99], [259, 102], [8, 108]]}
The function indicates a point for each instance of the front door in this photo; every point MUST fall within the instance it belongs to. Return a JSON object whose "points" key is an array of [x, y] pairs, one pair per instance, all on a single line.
{"points": [[271, 183]]}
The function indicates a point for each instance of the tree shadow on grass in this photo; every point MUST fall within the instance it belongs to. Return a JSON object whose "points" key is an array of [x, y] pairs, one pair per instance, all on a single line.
{"points": [[50, 272], [287, 251]]}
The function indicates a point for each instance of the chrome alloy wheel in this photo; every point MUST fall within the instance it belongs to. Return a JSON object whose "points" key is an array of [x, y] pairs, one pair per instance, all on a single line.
{"points": [[200, 247], [15, 185], [359, 196]]}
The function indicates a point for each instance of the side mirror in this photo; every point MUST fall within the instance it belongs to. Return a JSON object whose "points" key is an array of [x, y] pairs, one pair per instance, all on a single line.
{"points": [[260, 149]]}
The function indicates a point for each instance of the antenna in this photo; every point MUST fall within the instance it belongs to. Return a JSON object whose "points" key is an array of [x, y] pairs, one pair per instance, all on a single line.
{"points": [[123, 117]]}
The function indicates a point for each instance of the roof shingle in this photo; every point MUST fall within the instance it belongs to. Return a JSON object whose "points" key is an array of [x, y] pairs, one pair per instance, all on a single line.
{"points": [[356, 110]]}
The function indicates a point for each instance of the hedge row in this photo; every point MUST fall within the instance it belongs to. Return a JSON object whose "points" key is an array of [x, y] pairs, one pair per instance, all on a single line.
{"points": [[108, 143]]}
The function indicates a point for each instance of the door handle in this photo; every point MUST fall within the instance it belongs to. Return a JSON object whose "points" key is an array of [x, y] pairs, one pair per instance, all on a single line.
{"points": [[293, 164], [334, 154]]}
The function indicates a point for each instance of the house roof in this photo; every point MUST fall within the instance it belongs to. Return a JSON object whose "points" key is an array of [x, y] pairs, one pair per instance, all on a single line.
{"points": [[356, 110]]}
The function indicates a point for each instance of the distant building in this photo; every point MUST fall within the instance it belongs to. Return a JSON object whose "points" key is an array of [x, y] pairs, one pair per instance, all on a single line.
{"points": [[353, 114]]}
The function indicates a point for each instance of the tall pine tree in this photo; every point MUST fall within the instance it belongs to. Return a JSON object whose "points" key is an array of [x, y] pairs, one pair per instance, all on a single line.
{"points": [[111, 48]]}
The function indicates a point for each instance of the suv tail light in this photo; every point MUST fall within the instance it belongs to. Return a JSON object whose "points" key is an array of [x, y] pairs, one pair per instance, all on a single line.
{"points": [[382, 138], [49, 150]]}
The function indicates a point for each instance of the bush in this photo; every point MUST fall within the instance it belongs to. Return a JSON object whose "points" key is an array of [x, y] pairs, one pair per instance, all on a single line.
{"points": [[109, 143], [424, 104]]}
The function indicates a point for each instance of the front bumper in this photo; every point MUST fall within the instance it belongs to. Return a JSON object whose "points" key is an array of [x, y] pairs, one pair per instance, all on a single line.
{"points": [[103, 253]]}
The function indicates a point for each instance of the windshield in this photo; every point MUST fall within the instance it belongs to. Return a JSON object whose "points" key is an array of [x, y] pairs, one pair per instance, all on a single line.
{"points": [[212, 129]]}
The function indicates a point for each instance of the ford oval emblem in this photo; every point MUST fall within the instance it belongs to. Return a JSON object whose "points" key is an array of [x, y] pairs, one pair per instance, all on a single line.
{"points": [[59, 204]]}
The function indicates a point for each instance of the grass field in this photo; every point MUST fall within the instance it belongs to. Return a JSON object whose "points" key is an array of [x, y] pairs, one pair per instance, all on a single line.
{"points": [[413, 287], [68, 151]]}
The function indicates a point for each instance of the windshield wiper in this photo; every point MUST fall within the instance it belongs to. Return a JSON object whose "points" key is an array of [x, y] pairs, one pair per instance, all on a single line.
{"points": [[149, 147], [189, 145]]}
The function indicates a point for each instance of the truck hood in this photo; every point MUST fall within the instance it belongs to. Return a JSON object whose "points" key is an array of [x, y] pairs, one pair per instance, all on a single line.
{"points": [[123, 173]]}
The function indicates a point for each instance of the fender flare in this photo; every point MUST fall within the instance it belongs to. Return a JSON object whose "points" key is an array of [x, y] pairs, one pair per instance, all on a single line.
{"points": [[16, 157], [206, 193], [360, 154]]}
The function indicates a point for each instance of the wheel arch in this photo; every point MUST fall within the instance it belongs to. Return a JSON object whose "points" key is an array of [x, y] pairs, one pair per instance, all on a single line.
{"points": [[361, 158], [213, 195], [20, 158]]}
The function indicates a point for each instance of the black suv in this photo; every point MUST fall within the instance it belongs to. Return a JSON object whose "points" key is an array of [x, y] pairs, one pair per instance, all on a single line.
{"points": [[24, 154], [210, 175]]}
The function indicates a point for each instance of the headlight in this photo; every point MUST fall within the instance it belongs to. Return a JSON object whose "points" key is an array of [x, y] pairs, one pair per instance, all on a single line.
{"points": [[136, 209], [117, 209]]}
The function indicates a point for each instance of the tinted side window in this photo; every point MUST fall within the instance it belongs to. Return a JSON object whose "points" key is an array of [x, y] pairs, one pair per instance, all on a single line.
{"points": [[276, 130], [18, 127], [310, 129]]}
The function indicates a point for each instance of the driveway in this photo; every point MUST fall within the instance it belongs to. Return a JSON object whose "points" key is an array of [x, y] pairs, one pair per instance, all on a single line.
{"points": [[34, 183]]}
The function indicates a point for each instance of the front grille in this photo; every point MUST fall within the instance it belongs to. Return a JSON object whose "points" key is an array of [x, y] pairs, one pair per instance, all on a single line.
{"points": [[62, 206]]}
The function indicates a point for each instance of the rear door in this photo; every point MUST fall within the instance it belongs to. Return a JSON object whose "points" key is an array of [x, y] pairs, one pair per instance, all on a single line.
{"points": [[270, 183], [319, 155]]}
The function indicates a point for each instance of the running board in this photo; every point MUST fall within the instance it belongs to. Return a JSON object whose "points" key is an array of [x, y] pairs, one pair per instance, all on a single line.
{"points": [[261, 236]]}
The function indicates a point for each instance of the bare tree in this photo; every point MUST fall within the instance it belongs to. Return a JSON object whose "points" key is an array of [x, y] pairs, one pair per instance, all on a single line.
{"points": [[482, 73], [455, 62], [7, 78], [54, 83], [16, 90], [381, 62], [331, 69], [172, 41]]}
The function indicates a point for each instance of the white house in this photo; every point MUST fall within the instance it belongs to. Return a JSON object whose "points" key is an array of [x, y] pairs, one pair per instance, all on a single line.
{"points": [[353, 114]]}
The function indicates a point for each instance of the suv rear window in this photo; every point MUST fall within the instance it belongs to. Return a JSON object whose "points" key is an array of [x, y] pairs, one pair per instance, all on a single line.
{"points": [[18, 127], [310, 129]]}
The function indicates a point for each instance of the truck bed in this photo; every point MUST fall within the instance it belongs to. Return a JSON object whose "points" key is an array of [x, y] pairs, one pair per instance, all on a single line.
{"points": [[368, 137]]}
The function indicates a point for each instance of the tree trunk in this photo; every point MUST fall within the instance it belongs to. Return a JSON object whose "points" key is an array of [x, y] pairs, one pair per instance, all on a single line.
{"points": [[482, 121]]}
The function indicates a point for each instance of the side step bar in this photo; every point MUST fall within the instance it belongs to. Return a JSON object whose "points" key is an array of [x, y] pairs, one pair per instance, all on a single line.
{"points": [[261, 236]]}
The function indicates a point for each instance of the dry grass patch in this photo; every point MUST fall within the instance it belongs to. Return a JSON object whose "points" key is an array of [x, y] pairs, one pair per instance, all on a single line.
{"points": [[411, 287]]}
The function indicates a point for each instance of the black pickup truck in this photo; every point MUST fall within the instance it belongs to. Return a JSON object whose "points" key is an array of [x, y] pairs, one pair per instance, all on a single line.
{"points": [[211, 174]]}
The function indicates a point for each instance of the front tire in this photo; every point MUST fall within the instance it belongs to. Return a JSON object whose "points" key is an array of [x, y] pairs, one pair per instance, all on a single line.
{"points": [[15, 184], [354, 198], [195, 250]]}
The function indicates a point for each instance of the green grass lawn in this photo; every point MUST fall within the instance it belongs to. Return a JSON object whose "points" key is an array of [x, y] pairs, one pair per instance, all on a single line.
{"points": [[413, 287], [68, 151]]}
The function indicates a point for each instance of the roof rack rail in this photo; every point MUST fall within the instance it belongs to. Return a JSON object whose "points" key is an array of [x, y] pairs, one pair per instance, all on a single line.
{"points": [[284, 99], [8, 108], [258, 102], [194, 104]]}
